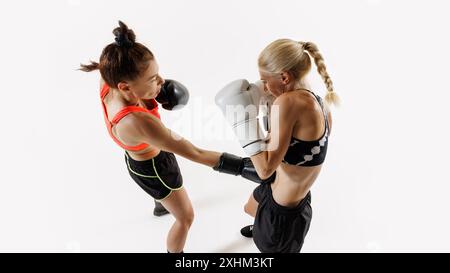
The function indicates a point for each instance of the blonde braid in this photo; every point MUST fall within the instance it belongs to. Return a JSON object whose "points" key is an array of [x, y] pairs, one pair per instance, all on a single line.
{"points": [[331, 97]]}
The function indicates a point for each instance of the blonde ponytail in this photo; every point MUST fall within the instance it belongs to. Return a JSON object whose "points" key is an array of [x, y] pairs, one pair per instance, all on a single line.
{"points": [[331, 97]]}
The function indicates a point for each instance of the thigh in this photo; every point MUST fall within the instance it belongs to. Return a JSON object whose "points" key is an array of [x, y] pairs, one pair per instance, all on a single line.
{"points": [[252, 206], [258, 196], [179, 204], [158, 176], [166, 168], [143, 173], [282, 229]]}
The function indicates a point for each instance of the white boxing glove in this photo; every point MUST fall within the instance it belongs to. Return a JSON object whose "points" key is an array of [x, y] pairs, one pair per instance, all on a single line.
{"points": [[240, 104]]}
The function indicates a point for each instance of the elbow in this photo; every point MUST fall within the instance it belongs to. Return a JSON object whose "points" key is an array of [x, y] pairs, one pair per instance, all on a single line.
{"points": [[264, 168]]}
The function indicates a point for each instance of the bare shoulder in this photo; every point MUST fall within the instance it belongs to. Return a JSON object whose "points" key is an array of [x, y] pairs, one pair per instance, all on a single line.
{"points": [[132, 126], [292, 100], [285, 100]]}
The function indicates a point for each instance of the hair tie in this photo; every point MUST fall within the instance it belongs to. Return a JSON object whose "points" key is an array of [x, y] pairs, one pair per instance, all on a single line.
{"points": [[123, 41], [304, 45]]}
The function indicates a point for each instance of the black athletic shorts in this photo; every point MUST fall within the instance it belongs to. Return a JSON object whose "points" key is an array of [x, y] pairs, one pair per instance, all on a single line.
{"points": [[280, 229], [158, 176]]}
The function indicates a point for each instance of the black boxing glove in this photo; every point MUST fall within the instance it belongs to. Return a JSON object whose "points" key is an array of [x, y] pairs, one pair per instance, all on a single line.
{"points": [[235, 165], [173, 95]]}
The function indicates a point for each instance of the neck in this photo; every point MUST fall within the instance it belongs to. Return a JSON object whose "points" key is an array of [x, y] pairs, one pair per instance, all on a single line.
{"points": [[127, 98], [303, 84]]}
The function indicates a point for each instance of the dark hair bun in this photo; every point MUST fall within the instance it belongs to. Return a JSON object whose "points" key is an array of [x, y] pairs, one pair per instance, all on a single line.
{"points": [[125, 37]]}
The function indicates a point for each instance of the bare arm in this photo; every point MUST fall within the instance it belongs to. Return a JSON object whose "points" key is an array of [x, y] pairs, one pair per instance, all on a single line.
{"points": [[281, 124], [152, 131]]}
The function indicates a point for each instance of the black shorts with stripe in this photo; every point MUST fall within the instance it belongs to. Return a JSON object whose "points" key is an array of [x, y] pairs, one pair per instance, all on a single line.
{"points": [[280, 229], [159, 176]]}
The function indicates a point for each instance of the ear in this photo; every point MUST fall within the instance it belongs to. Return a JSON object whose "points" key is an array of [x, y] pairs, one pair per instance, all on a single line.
{"points": [[123, 86], [286, 77]]}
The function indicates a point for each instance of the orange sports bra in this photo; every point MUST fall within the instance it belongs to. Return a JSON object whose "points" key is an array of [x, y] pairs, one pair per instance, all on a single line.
{"points": [[122, 113]]}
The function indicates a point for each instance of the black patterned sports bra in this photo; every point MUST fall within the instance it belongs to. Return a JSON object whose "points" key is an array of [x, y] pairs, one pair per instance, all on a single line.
{"points": [[309, 153]]}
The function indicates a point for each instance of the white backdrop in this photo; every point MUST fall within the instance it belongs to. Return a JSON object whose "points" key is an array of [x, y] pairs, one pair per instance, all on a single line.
{"points": [[384, 186]]}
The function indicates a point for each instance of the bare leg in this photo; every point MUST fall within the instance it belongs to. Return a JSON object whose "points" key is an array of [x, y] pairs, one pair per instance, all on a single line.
{"points": [[251, 206], [179, 205]]}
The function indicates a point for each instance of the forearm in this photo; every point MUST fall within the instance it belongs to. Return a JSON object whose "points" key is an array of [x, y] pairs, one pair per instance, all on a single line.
{"points": [[262, 166], [196, 154], [208, 158]]}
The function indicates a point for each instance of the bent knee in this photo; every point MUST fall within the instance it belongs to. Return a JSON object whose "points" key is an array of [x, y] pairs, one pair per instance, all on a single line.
{"points": [[249, 210], [190, 218], [187, 219]]}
